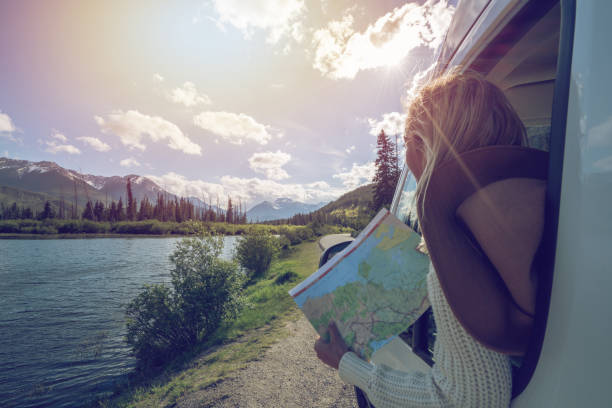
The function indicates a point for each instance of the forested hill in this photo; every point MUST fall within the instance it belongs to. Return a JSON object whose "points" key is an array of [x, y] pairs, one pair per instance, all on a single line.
{"points": [[360, 197], [353, 209]]}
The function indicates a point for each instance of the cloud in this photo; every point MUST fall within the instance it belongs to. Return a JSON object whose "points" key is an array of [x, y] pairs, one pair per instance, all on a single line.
{"points": [[350, 149], [132, 127], [235, 128], [188, 95], [6, 124], [53, 147], [158, 78], [7, 128], [357, 176], [129, 162], [270, 164], [95, 143], [250, 190], [277, 17], [341, 52], [58, 143], [57, 135], [392, 123]]}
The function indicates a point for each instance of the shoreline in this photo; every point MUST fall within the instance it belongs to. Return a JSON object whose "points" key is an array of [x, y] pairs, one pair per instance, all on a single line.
{"points": [[84, 235]]}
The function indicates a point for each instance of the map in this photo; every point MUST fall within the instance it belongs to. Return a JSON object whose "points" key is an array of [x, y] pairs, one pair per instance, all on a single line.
{"points": [[374, 289]]}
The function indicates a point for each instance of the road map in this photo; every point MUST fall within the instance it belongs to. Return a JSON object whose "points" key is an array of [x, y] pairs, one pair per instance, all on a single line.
{"points": [[374, 289]]}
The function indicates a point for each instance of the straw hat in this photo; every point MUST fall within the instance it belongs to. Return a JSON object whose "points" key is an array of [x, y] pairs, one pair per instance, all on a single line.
{"points": [[482, 223]]}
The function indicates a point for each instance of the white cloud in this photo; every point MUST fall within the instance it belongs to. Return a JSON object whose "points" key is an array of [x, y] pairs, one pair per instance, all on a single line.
{"points": [[341, 52], [392, 123], [357, 176], [95, 143], [59, 136], [54, 147], [58, 143], [132, 127], [350, 149], [6, 123], [188, 95], [270, 164], [158, 78], [250, 190], [277, 17], [235, 128], [129, 162]]}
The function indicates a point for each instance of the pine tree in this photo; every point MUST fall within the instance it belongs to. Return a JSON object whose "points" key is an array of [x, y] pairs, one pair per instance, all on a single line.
{"points": [[131, 204], [387, 172], [120, 212], [229, 214], [88, 212], [48, 211]]}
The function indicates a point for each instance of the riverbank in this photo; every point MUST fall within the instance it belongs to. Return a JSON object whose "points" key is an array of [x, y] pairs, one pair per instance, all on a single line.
{"points": [[235, 345], [83, 236], [58, 228]]}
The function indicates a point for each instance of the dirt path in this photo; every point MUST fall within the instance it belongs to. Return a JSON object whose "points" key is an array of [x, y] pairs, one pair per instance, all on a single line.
{"points": [[288, 375]]}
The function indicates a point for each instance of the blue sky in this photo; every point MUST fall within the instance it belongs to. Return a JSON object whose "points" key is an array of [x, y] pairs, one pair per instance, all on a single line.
{"points": [[257, 100]]}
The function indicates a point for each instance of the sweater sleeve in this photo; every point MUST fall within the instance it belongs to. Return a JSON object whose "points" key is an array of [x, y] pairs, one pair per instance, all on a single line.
{"points": [[386, 387]]}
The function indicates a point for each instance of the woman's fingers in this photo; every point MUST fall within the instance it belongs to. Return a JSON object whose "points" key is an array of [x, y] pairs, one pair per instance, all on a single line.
{"points": [[331, 353]]}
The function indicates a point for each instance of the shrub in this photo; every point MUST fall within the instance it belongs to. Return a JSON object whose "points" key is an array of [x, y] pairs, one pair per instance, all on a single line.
{"points": [[255, 251], [285, 277], [163, 321], [283, 242]]}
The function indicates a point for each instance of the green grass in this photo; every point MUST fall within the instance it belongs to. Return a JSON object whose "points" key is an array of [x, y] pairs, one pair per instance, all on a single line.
{"points": [[234, 345]]}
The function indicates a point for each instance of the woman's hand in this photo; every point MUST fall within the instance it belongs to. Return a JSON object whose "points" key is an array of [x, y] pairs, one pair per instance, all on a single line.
{"points": [[331, 353]]}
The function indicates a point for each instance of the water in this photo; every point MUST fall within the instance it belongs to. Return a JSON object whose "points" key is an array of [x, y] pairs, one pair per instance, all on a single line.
{"points": [[62, 314]]}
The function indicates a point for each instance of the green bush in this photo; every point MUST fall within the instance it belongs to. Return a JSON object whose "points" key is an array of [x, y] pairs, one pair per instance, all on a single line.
{"points": [[283, 242], [255, 251], [163, 321], [285, 277]]}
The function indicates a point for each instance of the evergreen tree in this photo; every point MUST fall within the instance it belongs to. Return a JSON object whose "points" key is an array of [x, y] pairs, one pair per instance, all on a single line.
{"points": [[131, 204], [88, 212], [48, 211], [120, 214], [387, 172], [27, 213], [229, 214], [99, 211]]}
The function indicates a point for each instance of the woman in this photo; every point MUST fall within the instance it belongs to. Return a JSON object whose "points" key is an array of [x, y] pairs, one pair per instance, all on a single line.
{"points": [[463, 143]]}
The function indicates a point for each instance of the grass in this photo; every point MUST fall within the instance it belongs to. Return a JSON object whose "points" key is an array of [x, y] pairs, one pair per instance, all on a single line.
{"points": [[234, 345]]}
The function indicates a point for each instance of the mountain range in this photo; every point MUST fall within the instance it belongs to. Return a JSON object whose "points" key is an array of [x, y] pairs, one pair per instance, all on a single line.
{"points": [[279, 208], [32, 183]]}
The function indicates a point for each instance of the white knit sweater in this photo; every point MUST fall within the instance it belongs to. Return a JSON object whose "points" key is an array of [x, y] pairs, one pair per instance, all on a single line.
{"points": [[465, 373]]}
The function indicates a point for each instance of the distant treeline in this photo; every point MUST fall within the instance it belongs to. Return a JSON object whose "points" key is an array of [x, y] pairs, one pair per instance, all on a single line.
{"points": [[292, 234], [164, 209]]}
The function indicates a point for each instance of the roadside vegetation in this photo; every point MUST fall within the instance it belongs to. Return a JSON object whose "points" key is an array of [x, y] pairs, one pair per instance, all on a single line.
{"points": [[51, 227], [263, 307]]}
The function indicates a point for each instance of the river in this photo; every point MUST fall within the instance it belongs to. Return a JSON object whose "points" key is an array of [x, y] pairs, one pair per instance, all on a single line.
{"points": [[62, 314]]}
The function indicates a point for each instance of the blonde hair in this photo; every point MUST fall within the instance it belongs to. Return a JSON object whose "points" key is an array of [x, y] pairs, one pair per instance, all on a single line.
{"points": [[456, 113]]}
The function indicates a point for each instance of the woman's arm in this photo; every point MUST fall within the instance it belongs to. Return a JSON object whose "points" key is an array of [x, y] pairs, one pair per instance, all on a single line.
{"points": [[384, 387]]}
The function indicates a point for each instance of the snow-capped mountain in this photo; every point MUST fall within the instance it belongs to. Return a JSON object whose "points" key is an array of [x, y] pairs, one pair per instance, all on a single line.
{"points": [[279, 208], [52, 179]]}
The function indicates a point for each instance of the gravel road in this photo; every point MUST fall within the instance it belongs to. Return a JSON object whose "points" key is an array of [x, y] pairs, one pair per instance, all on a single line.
{"points": [[288, 375]]}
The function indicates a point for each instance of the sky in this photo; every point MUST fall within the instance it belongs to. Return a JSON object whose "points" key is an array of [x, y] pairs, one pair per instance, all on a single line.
{"points": [[257, 99]]}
